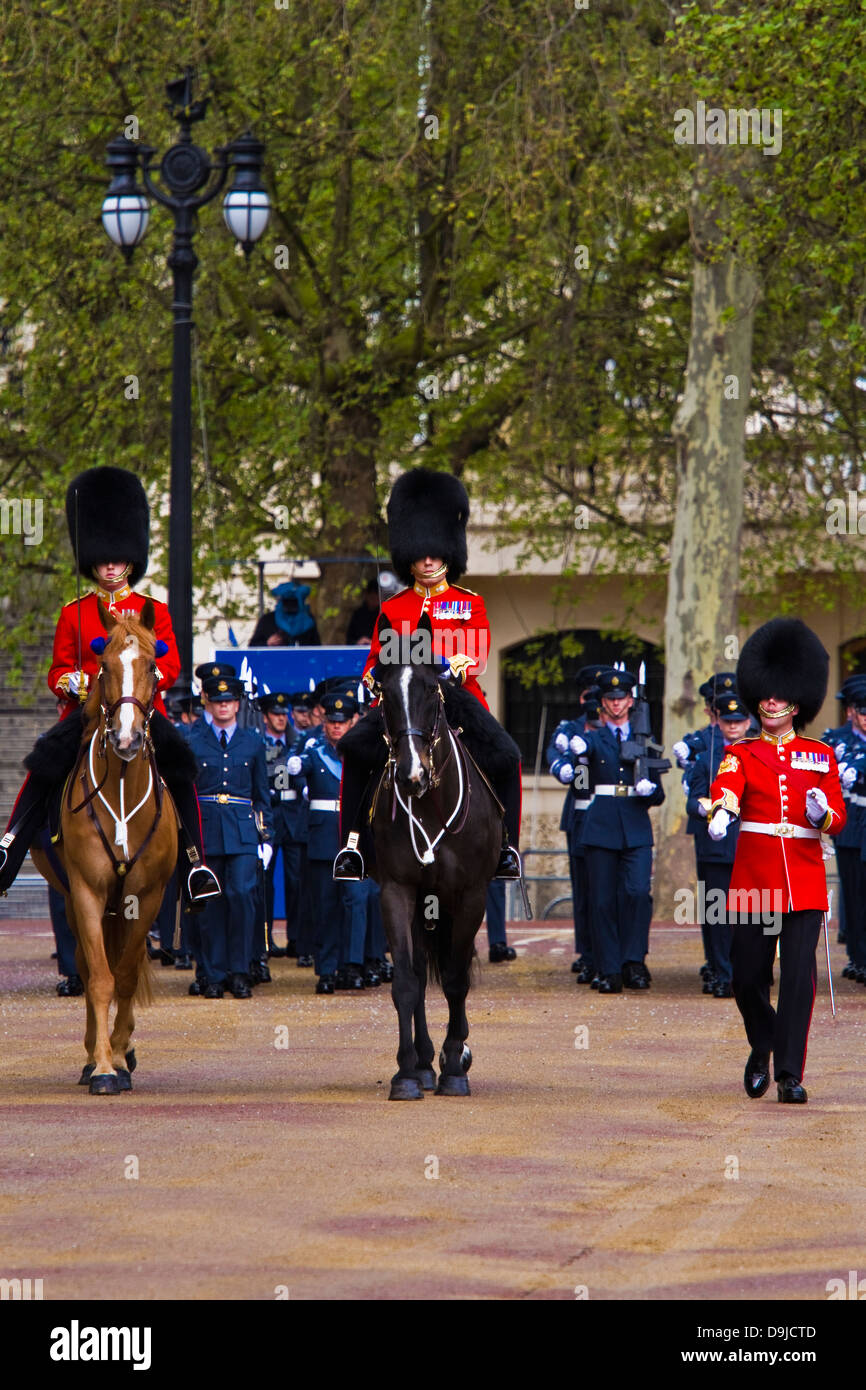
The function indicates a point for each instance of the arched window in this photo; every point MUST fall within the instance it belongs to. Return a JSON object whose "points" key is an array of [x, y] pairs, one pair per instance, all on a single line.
{"points": [[533, 708]]}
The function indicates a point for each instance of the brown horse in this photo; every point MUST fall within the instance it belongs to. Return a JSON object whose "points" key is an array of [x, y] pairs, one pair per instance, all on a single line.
{"points": [[117, 847]]}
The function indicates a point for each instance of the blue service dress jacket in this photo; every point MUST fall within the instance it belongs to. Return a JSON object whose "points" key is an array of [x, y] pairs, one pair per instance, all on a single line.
{"points": [[702, 774], [615, 821], [239, 771], [321, 769]]}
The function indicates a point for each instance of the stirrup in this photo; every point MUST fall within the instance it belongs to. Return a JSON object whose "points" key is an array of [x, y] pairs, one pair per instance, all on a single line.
{"points": [[202, 883], [510, 866], [349, 863]]}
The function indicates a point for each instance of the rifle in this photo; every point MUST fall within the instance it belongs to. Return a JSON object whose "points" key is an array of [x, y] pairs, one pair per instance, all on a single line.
{"points": [[641, 749]]}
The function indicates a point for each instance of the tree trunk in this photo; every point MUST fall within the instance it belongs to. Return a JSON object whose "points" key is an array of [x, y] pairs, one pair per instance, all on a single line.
{"points": [[709, 429]]}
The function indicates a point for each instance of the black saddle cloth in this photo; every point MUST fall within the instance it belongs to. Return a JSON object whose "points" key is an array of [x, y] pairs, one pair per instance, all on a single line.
{"points": [[53, 755], [491, 746]]}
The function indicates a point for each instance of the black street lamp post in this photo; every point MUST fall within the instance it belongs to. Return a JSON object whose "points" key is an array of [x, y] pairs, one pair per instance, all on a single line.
{"points": [[185, 170]]}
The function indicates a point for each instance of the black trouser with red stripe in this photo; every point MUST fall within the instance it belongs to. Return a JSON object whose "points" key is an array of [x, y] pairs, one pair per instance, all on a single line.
{"points": [[784, 1031]]}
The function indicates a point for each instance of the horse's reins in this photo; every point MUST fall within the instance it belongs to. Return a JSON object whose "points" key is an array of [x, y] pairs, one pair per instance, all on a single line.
{"points": [[121, 822], [461, 808]]}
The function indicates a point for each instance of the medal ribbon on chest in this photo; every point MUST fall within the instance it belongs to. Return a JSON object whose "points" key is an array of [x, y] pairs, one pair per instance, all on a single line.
{"points": [[807, 761], [450, 610]]}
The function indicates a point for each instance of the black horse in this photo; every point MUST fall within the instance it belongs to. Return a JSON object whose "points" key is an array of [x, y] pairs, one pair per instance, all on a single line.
{"points": [[437, 832]]}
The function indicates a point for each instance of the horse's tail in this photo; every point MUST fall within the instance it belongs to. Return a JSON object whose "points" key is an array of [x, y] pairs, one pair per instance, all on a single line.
{"points": [[113, 934], [433, 934]]}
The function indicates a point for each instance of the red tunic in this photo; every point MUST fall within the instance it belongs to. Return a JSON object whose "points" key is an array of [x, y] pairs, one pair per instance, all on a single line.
{"points": [[766, 781], [125, 603], [459, 622]]}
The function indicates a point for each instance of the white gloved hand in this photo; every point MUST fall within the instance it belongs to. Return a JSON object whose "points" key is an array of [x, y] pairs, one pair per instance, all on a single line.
{"points": [[703, 810], [644, 787], [293, 765], [680, 751], [840, 750], [718, 826], [560, 743], [266, 854], [578, 744], [847, 775], [566, 773], [816, 805], [78, 680]]}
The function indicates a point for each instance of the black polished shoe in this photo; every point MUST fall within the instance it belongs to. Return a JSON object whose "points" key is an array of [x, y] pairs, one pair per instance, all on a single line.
{"points": [[386, 970], [610, 984], [509, 865], [756, 1077], [709, 984], [586, 974], [325, 984], [576, 965], [372, 978], [635, 975], [239, 986], [213, 992], [305, 962], [723, 989], [595, 981], [349, 866], [499, 952], [291, 947], [350, 977], [183, 961], [850, 971], [72, 985], [790, 1090], [197, 987], [259, 974]]}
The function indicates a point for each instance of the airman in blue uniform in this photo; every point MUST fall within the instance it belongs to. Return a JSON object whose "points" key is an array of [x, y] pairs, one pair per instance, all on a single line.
{"points": [[340, 909], [232, 787], [715, 858], [577, 799], [617, 839], [849, 745]]}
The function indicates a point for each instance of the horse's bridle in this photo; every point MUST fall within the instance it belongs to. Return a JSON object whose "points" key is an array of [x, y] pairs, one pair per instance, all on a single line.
{"points": [[430, 740], [108, 711]]}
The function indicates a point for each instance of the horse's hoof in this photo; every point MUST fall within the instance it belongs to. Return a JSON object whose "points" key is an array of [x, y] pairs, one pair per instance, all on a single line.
{"points": [[105, 1084], [86, 1072], [427, 1078], [124, 1080], [405, 1088], [465, 1059], [452, 1086], [131, 1059]]}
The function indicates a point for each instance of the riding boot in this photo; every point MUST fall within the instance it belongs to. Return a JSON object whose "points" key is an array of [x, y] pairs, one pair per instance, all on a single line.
{"points": [[29, 812], [509, 792], [201, 882], [349, 863]]}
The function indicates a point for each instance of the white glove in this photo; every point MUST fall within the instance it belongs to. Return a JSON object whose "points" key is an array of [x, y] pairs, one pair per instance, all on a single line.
{"points": [[566, 773], [266, 854], [293, 765], [644, 787], [77, 680], [578, 744], [560, 743], [680, 751], [840, 750], [816, 805], [718, 826], [847, 775], [703, 810]]}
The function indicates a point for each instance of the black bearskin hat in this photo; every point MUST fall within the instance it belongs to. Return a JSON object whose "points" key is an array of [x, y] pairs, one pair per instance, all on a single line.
{"points": [[427, 515], [784, 658], [113, 520]]}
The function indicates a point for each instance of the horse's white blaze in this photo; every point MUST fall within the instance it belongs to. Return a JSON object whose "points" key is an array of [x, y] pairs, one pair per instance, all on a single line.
{"points": [[416, 768], [127, 712]]}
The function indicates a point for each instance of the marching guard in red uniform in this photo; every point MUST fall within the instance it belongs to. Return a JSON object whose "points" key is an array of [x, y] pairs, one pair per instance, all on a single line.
{"points": [[427, 515], [784, 790], [107, 508]]}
